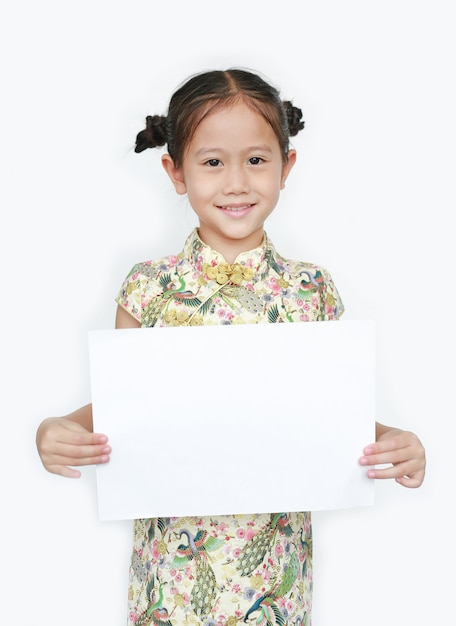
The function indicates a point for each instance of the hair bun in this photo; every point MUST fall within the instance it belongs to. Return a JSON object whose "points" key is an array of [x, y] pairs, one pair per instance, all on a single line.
{"points": [[294, 117], [153, 135]]}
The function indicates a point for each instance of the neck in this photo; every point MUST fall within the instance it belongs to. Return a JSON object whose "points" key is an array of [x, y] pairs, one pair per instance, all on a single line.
{"points": [[229, 248]]}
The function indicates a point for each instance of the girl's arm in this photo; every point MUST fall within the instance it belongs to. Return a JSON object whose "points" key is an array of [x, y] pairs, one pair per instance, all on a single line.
{"points": [[400, 449], [67, 442]]}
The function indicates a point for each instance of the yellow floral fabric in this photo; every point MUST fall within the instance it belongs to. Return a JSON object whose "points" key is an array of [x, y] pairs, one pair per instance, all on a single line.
{"points": [[233, 568]]}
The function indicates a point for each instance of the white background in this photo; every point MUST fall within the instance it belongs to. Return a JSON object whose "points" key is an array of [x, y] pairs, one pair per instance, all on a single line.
{"points": [[372, 198]]}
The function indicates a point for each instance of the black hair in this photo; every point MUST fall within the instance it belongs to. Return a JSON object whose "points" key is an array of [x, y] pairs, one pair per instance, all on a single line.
{"points": [[205, 92]]}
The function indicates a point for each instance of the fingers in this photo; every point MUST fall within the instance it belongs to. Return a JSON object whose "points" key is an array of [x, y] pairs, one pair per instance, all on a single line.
{"points": [[391, 441], [65, 467], [62, 470], [391, 456], [64, 445], [403, 473], [74, 450], [403, 452], [78, 455], [64, 463], [413, 481]]}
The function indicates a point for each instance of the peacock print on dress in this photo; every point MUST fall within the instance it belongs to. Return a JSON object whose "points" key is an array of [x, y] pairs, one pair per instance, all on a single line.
{"points": [[228, 569]]}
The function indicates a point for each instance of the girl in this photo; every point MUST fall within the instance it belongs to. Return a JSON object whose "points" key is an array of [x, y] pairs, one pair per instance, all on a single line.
{"points": [[227, 134]]}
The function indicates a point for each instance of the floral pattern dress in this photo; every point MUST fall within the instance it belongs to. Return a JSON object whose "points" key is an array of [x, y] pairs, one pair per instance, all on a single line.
{"points": [[227, 569]]}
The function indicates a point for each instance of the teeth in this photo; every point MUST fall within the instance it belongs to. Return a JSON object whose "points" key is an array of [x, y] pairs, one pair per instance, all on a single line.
{"points": [[235, 208]]}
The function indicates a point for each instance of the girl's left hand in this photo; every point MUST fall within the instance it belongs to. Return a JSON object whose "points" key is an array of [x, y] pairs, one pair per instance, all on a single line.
{"points": [[403, 450]]}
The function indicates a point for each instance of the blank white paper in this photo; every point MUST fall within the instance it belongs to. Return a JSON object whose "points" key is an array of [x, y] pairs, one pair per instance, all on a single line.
{"points": [[214, 420]]}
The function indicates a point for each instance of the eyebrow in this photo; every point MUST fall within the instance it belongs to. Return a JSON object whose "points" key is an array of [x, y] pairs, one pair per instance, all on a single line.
{"points": [[206, 150]]}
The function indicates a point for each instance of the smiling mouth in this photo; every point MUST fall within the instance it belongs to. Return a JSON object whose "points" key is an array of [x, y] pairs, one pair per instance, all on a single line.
{"points": [[235, 208]]}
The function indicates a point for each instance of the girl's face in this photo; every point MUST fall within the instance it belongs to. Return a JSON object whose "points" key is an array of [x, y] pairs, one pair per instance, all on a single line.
{"points": [[232, 174]]}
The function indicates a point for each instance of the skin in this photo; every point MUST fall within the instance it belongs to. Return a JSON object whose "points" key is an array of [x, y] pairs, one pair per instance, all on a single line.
{"points": [[232, 173]]}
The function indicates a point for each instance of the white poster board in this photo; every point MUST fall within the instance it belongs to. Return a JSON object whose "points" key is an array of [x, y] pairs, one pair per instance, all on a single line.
{"points": [[233, 419]]}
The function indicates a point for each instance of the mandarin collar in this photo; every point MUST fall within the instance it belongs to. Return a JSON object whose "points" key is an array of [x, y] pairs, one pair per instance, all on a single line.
{"points": [[200, 253]]}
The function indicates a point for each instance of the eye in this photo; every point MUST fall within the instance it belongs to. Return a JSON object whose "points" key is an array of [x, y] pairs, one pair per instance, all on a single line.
{"points": [[255, 160], [213, 162]]}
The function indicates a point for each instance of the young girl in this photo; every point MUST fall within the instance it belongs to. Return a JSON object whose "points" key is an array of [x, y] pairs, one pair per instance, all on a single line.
{"points": [[227, 134]]}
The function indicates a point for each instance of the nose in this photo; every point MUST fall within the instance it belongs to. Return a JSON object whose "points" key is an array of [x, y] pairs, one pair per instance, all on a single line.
{"points": [[236, 180]]}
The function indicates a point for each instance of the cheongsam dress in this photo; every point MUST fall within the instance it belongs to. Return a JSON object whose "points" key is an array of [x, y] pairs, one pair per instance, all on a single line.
{"points": [[222, 570]]}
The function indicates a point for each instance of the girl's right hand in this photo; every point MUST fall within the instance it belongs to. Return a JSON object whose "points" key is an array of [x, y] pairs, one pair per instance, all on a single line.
{"points": [[63, 443], [66, 442]]}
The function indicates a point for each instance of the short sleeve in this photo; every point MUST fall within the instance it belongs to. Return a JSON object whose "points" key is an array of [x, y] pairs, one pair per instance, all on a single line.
{"points": [[129, 296], [332, 304], [141, 286], [141, 293]]}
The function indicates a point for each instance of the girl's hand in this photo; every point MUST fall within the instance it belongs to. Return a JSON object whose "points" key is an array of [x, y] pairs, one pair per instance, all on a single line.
{"points": [[68, 441], [62, 443], [403, 450]]}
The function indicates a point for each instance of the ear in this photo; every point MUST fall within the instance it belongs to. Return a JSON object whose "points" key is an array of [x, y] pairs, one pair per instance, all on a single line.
{"points": [[287, 167], [176, 174]]}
